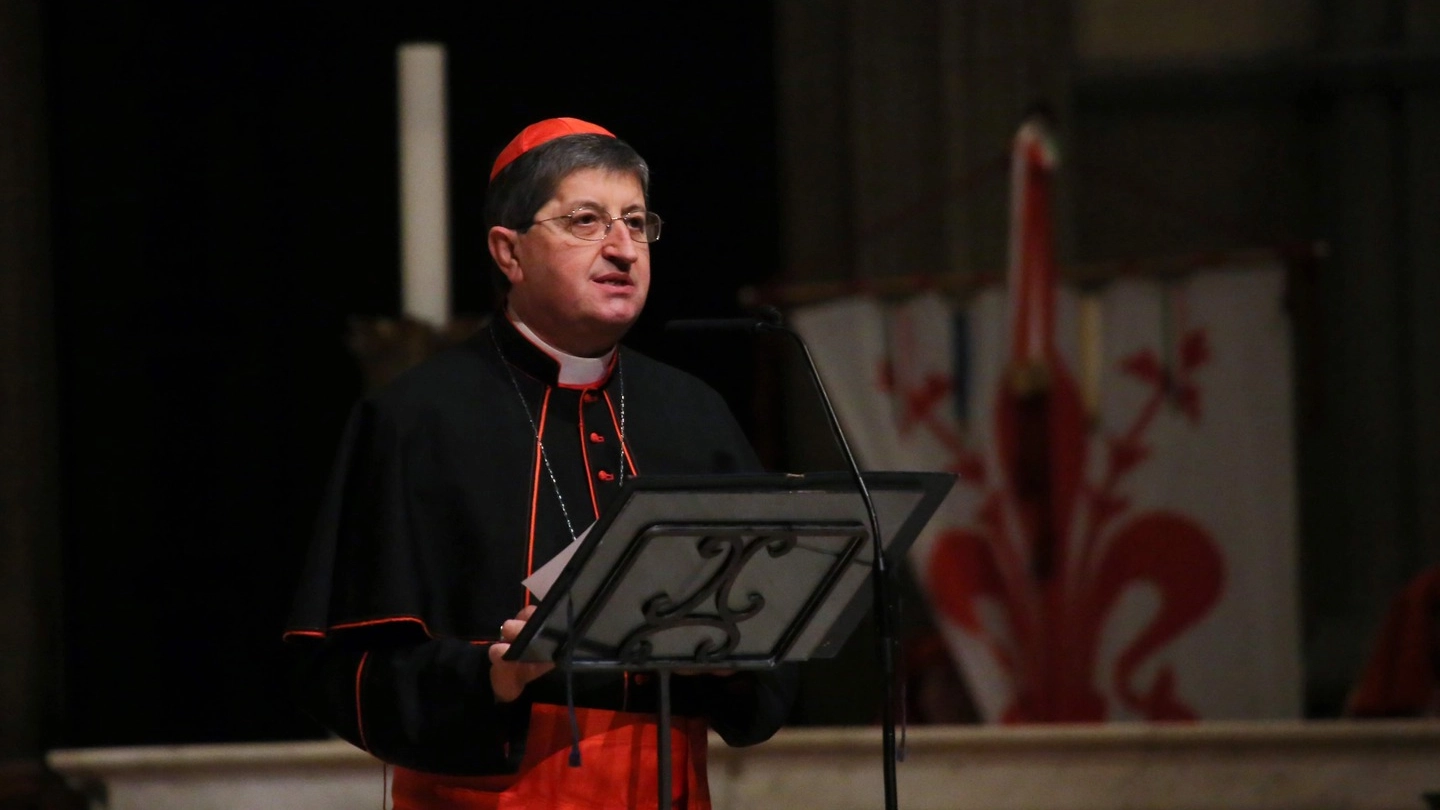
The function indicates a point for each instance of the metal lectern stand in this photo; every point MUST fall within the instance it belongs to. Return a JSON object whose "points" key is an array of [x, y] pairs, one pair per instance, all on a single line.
{"points": [[707, 573]]}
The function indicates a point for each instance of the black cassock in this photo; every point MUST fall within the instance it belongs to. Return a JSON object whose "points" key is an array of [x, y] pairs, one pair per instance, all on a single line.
{"points": [[441, 502]]}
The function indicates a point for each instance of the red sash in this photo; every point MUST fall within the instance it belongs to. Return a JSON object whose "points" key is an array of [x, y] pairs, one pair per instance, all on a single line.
{"points": [[619, 768]]}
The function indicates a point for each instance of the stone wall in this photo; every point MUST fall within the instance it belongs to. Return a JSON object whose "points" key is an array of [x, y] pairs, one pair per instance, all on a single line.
{"points": [[1235, 766]]}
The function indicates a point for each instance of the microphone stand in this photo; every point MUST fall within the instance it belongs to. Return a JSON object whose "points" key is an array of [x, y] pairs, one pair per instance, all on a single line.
{"points": [[880, 571]]}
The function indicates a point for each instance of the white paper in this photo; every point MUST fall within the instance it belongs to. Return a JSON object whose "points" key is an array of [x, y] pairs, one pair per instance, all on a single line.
{"points": [[540, 581]]}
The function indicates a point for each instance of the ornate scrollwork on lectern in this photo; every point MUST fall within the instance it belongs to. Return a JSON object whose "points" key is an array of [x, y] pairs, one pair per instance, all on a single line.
{"points": [[664, 612]]}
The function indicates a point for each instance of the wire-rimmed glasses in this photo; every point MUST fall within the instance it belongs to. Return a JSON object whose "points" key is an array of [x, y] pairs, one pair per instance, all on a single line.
{"points": [[593, 225]]}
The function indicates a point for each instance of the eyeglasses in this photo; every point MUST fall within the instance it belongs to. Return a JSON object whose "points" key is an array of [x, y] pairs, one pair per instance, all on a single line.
{"points": [[592, 225]]}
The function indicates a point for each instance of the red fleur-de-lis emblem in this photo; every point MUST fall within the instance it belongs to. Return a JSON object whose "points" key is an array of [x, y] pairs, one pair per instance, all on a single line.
{"points": [[1054, 552], [1053, 616]]}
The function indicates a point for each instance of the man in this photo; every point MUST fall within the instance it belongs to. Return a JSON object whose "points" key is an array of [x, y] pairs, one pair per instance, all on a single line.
{"points": [[472, 470]]}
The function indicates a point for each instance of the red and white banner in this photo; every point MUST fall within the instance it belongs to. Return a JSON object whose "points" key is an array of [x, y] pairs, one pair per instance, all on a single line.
{"points": [[1121, 541]]}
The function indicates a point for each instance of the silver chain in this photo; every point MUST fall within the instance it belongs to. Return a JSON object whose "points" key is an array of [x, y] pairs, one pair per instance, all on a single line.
{"points": [[535, 428], [620, 377]]}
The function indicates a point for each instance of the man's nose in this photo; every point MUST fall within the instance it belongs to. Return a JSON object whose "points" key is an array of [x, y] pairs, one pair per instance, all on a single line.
{"points": [[618, 246]]}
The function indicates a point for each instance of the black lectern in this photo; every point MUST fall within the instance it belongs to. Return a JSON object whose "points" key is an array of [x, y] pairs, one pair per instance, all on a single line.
{"points": [[728, 572]]}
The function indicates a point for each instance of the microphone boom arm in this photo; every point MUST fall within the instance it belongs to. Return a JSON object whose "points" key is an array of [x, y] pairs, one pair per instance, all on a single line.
{"points": [[880, 571]]}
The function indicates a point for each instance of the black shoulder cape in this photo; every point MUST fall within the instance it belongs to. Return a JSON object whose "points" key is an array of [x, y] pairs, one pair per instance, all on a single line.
{"points": [[452, 485], [441, 502]]}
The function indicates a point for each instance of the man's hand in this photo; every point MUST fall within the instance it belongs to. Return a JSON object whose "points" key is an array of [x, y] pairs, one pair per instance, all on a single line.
{"points": [[508, 678]]}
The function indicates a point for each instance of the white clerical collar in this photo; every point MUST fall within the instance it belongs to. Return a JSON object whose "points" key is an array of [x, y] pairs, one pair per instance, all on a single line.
{"points": [[573, 370]]}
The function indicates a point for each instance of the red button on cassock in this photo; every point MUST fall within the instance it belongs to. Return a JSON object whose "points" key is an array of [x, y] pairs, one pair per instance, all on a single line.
{"points": [[596, 438], [605, 476]]}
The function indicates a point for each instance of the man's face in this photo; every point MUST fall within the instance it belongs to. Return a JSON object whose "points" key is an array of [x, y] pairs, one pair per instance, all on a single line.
{"points": [[581, 296]]}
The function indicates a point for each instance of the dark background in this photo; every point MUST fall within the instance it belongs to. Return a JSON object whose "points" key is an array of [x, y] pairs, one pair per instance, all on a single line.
{"points": [[225, 187]]}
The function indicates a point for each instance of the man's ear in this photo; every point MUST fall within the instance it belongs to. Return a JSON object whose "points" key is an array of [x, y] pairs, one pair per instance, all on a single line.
{"points": [[504, 249]]}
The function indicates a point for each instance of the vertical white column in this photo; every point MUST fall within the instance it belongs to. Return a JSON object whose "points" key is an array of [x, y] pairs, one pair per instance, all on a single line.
{"points": [[424, 214]]}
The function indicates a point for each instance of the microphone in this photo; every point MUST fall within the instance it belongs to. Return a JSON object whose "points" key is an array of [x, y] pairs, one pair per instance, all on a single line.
{"points": [[770, 320], [718, 325]]}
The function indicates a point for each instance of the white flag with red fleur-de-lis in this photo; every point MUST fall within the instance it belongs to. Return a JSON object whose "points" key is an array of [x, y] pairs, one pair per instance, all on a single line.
{"points": [[1121, 541]]}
